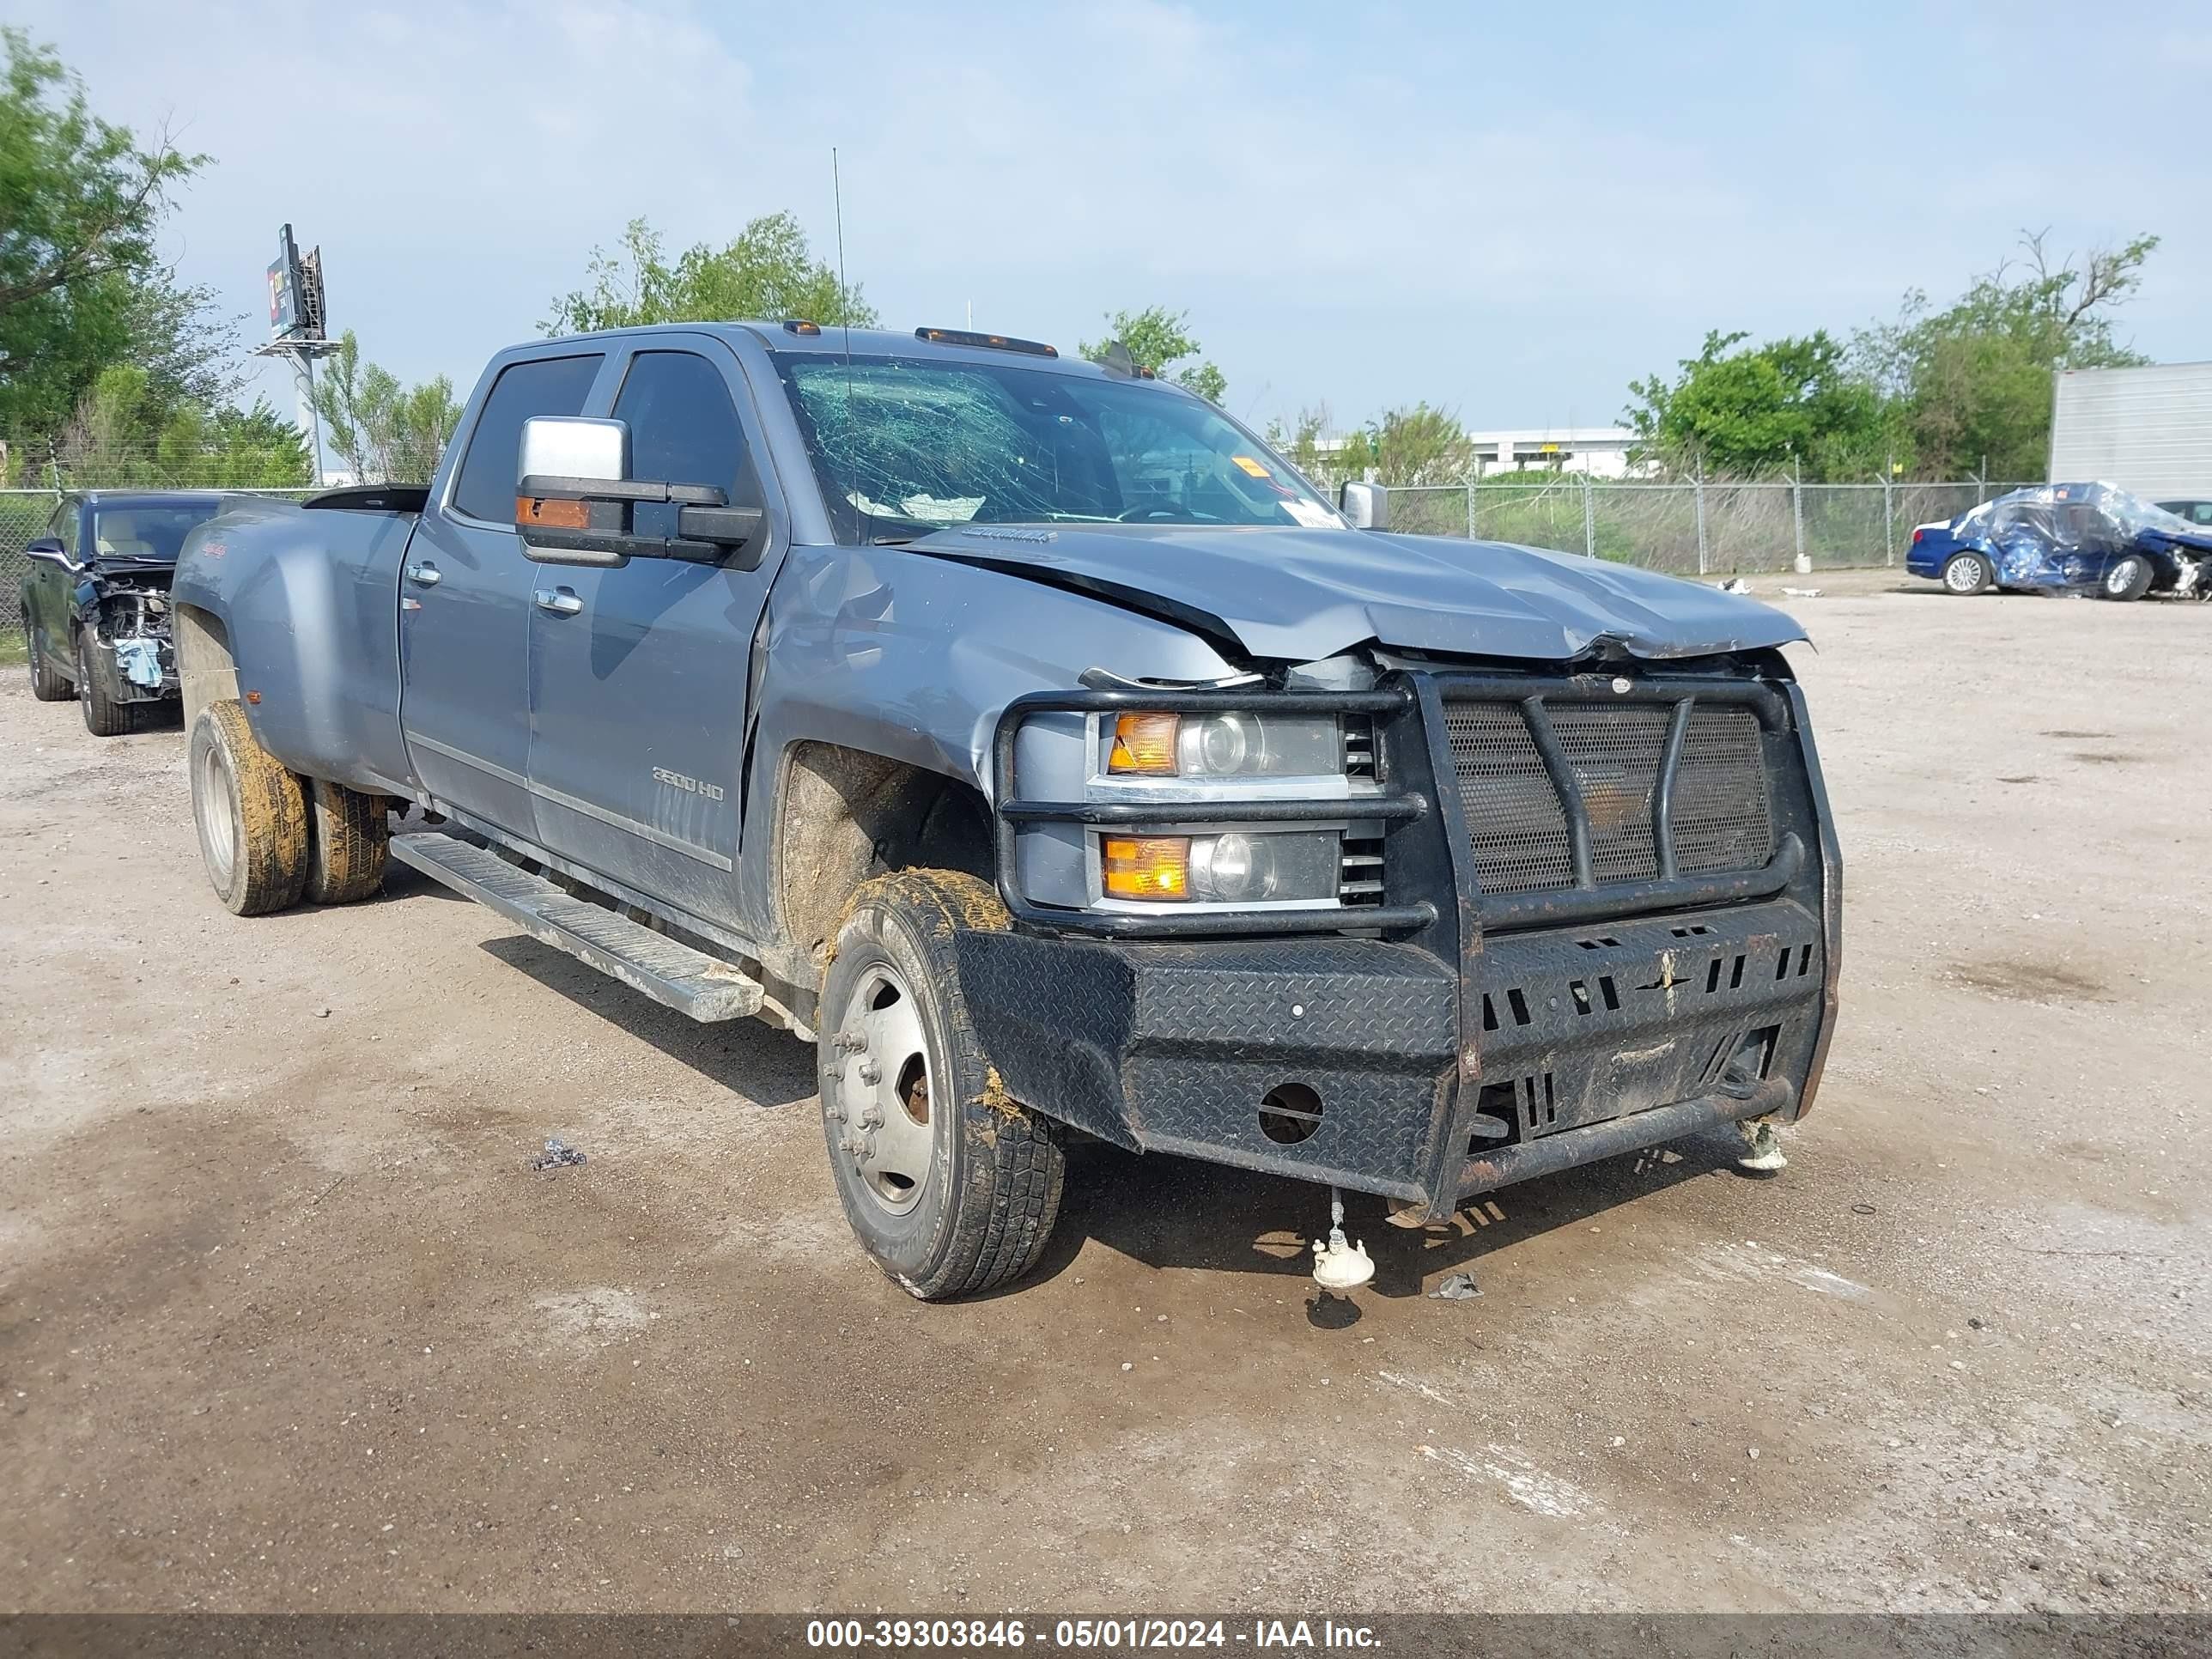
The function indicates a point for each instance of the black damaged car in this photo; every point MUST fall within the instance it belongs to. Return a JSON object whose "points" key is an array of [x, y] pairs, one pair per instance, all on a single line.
{"points": [[95, 601]]}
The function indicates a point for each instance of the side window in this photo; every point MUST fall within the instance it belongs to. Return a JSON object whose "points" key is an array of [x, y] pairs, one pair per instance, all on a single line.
{"points": [[545, 386], [683, 427]]}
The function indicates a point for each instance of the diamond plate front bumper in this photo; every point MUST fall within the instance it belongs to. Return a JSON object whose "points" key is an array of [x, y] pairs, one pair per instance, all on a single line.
{"points": [[1505, 1036]]}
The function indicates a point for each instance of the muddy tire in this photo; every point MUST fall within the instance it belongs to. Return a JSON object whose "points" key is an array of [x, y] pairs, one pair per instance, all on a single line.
{"points": [[2130, 578], [250, 812], [949, 1184], [347, 836], [45, 685], [1967, 573], [102, 718]]}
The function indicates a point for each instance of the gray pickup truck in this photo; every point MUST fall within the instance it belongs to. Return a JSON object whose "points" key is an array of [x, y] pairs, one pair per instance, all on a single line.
{"points": [[1029, 736]]}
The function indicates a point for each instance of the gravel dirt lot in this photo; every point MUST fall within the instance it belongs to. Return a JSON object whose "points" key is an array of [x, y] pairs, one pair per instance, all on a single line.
{"points": [[288, 1322]]}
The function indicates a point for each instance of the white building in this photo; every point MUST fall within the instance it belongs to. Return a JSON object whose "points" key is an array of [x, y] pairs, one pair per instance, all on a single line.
{"points": [[1600, 451]]}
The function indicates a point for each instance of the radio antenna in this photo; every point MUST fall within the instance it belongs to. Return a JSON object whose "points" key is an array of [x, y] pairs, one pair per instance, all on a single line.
{"points": [[845, 313]]}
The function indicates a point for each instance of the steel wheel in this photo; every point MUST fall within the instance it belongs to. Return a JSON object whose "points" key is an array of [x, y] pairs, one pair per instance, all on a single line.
{"points": [[883, 1089], [211, 801]]}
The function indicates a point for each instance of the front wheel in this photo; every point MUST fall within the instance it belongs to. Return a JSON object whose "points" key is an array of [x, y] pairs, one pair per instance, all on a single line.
{"points": [[251, 814], [103, 716], [951, 1186], [2129, 578], [1966, 574]]}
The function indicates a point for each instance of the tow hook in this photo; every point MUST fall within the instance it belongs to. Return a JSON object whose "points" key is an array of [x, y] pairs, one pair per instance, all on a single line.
{"points": [[1338, 1266], [1762, 1145]]}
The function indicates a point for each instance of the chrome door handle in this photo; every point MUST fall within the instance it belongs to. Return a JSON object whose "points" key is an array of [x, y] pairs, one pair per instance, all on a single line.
{"points": [[426, 574], [560, 603]]}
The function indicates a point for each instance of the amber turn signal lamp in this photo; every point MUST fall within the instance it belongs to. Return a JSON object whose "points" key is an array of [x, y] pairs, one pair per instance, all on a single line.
{"points": [[554, 515], [1144, 744], [1147, 867]]}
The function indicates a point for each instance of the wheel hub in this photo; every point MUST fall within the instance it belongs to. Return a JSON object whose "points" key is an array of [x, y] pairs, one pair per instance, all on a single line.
{"points": [[879, 1088], [214, 805]]}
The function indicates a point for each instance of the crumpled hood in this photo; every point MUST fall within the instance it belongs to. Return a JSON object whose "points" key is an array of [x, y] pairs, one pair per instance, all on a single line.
{"points": [[1301, 595]]}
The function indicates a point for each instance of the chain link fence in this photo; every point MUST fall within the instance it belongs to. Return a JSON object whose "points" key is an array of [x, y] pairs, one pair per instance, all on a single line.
{"points": [[1690, 529], [1686, 529], [28, 514]]}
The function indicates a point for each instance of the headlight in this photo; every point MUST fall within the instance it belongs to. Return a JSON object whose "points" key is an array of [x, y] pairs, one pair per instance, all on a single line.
{"points": [[1235, 868], [1233, 745]]}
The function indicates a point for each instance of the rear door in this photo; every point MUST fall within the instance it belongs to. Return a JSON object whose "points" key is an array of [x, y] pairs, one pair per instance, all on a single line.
{"points": [[638, 675], [465, 590], [45, 592]]}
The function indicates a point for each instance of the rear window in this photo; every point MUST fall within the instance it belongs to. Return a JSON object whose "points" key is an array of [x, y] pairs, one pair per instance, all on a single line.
{"points": [[544, 385]]}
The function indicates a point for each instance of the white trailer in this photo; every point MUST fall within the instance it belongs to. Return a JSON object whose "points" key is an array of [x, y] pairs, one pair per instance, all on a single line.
{"points": [[2148, 430]]}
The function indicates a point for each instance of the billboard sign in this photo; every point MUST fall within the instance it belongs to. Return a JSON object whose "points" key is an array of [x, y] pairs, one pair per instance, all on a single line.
{"points": [[284, 288]]}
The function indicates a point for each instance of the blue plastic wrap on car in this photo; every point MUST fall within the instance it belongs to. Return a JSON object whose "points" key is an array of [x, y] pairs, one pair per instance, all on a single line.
{"points": [[2067, 535]]}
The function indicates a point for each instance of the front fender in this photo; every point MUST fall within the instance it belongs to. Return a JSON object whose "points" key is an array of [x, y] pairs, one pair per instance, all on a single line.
{"points": [[914, 659]]}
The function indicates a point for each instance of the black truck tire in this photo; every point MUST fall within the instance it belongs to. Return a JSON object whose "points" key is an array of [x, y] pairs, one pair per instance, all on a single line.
{"points": [[45, 685], [963, 1196], [347, 836], [251, 814], [102, 717]]}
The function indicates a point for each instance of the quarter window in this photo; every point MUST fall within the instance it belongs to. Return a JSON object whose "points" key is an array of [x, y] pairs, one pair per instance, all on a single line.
{"points": [[544, 385]]}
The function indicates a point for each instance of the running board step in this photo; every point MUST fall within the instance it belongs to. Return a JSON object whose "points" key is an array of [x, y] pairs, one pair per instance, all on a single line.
{"points": [[690, 982]]}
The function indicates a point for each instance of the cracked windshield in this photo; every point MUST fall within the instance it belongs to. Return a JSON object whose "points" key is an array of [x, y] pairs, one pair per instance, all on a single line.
{"points": [[904, 447]]}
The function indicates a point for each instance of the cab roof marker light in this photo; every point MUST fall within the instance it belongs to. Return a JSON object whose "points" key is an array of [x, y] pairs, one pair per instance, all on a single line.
{"points": [[800, 326], [992, 342]]}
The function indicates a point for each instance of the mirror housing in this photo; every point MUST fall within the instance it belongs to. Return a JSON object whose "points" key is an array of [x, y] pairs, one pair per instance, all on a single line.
{"points": [[576, 504], [1366, 505], [48, 550]]}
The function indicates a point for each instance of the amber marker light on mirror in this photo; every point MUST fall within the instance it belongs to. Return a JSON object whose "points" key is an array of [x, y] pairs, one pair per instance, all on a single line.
{"points": [[1147, 867], [1144, 744], [554, 515]]}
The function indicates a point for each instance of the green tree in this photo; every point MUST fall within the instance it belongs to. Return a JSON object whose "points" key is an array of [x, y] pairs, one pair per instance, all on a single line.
{"points": [[126, 432], [1417, 446], [1157, 339], [767, 271], [80, 201], [1300, 443], [384, 432], [1973, 381], [1744, 411]]}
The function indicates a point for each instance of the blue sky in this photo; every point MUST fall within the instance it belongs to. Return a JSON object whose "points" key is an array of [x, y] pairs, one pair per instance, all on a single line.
{"points": [[1510, 211]]}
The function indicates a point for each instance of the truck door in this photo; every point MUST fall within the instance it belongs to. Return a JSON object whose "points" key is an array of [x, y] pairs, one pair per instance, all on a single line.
{"points": [[464, 592], [638, 674]]}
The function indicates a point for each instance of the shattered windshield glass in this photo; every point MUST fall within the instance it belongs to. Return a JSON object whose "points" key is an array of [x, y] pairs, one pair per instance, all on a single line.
{"points": [[904, 446]]}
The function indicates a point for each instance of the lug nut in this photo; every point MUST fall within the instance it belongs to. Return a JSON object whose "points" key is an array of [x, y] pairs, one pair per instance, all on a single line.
{"points": [[870, 1118], [871, 1074]]}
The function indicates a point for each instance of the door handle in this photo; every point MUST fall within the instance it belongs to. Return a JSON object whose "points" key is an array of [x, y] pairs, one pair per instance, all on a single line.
{"points": [[426, 574], [559, 601]]}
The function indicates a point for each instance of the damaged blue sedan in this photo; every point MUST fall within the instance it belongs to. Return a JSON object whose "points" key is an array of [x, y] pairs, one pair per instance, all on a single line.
{"points": [[2067, 538]]}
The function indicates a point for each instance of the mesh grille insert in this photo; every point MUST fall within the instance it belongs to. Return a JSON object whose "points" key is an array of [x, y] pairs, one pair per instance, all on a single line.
{"points": [[1722, 820], [1518, 827]]}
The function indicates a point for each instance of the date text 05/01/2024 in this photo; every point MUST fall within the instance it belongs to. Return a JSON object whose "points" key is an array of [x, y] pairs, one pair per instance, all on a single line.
{"points": [[1276, 1634]]}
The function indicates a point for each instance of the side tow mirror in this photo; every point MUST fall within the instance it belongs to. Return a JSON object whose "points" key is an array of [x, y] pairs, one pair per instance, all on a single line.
{"points": [[1367, 505], [576, 504]]}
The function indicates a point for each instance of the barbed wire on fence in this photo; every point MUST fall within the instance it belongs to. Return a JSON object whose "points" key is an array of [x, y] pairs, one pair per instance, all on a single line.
{"points": [[1693, 528]]}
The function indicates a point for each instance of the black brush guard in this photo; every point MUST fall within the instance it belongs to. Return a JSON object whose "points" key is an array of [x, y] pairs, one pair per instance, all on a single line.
{"points": [[1457, 1040]]}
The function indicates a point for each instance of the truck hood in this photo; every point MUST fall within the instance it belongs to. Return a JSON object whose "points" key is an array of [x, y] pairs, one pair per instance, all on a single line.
{"points": [[1301, 595]]}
